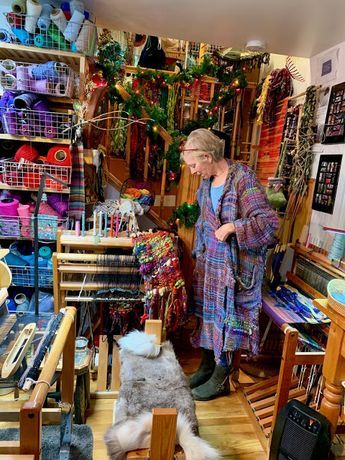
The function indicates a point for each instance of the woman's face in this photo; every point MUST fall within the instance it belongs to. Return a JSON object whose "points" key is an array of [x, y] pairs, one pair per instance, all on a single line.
{"points": [[198, 166]]}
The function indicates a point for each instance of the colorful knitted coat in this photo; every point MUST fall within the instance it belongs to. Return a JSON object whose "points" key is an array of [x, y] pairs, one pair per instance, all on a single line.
{"points": [[230, 313]]}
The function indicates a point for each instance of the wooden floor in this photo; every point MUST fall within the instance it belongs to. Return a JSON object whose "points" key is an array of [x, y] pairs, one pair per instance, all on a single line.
{"points": [[223, 422]]}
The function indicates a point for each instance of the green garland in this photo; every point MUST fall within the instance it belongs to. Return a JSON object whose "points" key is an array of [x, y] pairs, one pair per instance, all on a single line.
{"points": [[173, 154], [187, 214], [111, 61]]}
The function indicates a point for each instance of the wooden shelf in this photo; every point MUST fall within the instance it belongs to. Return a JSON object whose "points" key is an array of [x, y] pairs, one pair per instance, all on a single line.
{"points": [[45, 140], [34, 54], [26, 189]]}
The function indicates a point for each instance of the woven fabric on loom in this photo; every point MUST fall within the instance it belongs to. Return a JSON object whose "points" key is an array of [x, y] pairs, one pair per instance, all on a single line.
{"points": [[77, 193], [270, 141]]}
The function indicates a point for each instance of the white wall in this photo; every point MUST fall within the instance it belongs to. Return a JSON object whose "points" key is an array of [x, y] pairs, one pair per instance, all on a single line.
{"points": [[320, 219]]}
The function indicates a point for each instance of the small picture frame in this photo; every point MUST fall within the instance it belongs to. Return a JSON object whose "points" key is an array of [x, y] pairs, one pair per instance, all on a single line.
{"points": [[334, 128], [326, 183]]}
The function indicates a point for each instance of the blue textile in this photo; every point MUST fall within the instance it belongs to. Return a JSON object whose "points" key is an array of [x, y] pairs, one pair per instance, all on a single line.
{"points": [[216, 193]]}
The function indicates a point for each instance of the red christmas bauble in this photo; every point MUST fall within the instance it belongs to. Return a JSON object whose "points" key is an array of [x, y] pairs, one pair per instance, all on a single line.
{"points": [[98, 80]]}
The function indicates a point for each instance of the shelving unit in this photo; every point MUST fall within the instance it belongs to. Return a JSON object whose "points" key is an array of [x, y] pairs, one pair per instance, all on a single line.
{"points": [[60, 106]]}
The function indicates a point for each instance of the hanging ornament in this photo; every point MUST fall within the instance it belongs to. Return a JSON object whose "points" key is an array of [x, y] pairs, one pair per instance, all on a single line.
{"points": [[98, 80], [172, 176]]}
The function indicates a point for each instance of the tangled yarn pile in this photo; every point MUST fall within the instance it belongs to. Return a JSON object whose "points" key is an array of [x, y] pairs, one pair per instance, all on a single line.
{"points": [[165, 297]]}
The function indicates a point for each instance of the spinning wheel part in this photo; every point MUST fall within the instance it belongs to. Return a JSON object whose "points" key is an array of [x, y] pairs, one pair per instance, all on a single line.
{"points": [[5, 272], [18, 352]]}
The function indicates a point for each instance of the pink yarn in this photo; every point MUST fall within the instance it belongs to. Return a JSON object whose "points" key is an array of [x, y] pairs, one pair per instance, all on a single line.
{"points": [[48, 210]]}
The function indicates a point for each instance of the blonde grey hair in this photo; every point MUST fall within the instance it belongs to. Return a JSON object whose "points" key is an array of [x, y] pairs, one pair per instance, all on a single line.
{"points": [[204, 141]]}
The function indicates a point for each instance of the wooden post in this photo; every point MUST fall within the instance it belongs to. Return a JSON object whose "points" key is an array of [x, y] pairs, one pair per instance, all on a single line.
{"points": [[67, 374], [56, 278], [286, 368], [31, 429], [147, 155], [163, 436], [164, 176], [154, 326], [235, 127], [128, 144]]}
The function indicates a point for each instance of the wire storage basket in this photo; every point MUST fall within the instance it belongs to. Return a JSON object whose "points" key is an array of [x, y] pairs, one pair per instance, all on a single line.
{"points": [[28, 175], [140, 191], [23, 227], [25, 276], [36, 123], [52, 77], [52, 30]]}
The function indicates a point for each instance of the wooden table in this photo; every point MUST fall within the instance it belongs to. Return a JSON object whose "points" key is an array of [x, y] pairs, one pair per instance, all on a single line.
{"points": [[334, 365]]}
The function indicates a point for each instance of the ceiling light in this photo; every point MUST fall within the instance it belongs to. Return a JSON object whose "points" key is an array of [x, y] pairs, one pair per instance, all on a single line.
{"points": [[255, 45]]}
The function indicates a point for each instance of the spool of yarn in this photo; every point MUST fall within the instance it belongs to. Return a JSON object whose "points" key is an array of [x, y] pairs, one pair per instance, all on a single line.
{"points": [[8, 207], [13, 259], [72, 30], [51, 70], [51, 132], [9, 119], [45, 252], [65, 6], [23, 81], [337, 250], [57, 38], [59, 203], [8, 66], [25, 101], [5, 36], [14, 20], [60, 89], [33, 11], [8, 81], [44, 20], [24, 214], [23, 36], [42, 41], [46, 209], [76, 5], [26, 128], [86, 40], [59, 155], [31, 179], [58, 19], [22, 302], [26, 152], [19, 6], [42, 86]]}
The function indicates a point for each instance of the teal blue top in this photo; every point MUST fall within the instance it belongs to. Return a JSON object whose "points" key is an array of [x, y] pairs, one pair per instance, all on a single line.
{"points": [[216, 193]]}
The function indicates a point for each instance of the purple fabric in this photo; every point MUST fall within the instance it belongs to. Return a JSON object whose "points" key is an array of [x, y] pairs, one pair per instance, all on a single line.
{"points": [[230, 319], [9, 119], [23, 81]]}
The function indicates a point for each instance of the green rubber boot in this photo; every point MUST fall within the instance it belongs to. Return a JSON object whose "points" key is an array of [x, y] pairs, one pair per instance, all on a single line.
{"points": [[205, 370], [217, 385]]}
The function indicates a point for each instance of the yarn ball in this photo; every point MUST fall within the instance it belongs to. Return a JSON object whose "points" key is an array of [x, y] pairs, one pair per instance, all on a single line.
{"points": [[58, 203], [59, 155], [32, 180], [53, 185], [48, 210], [27, 152]]}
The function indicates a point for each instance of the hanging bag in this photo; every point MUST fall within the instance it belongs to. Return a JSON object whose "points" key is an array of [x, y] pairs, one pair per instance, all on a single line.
{"points": [[152, 56]]}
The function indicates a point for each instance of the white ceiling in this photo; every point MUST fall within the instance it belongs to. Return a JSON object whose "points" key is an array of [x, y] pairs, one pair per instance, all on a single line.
{"points": [[293, 27]]}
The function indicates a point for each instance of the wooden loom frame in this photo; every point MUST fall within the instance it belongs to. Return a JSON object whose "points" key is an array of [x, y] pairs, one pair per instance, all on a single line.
{"points": [[31, 413], [264, 400]]}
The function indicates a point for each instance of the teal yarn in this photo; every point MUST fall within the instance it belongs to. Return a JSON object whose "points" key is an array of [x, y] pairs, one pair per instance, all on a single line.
{"points": [[337, 250], [45, 252]]}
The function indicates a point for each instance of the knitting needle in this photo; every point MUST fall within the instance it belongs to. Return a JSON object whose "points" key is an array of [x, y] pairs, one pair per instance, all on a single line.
{"points": [[94, 232], [100, 223]]}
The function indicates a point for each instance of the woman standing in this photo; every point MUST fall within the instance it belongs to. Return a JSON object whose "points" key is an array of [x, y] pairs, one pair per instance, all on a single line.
{"points": [[235, 226]]}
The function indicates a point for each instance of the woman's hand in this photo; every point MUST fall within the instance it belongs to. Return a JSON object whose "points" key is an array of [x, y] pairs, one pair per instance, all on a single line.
{"points": [[223, 232]]}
